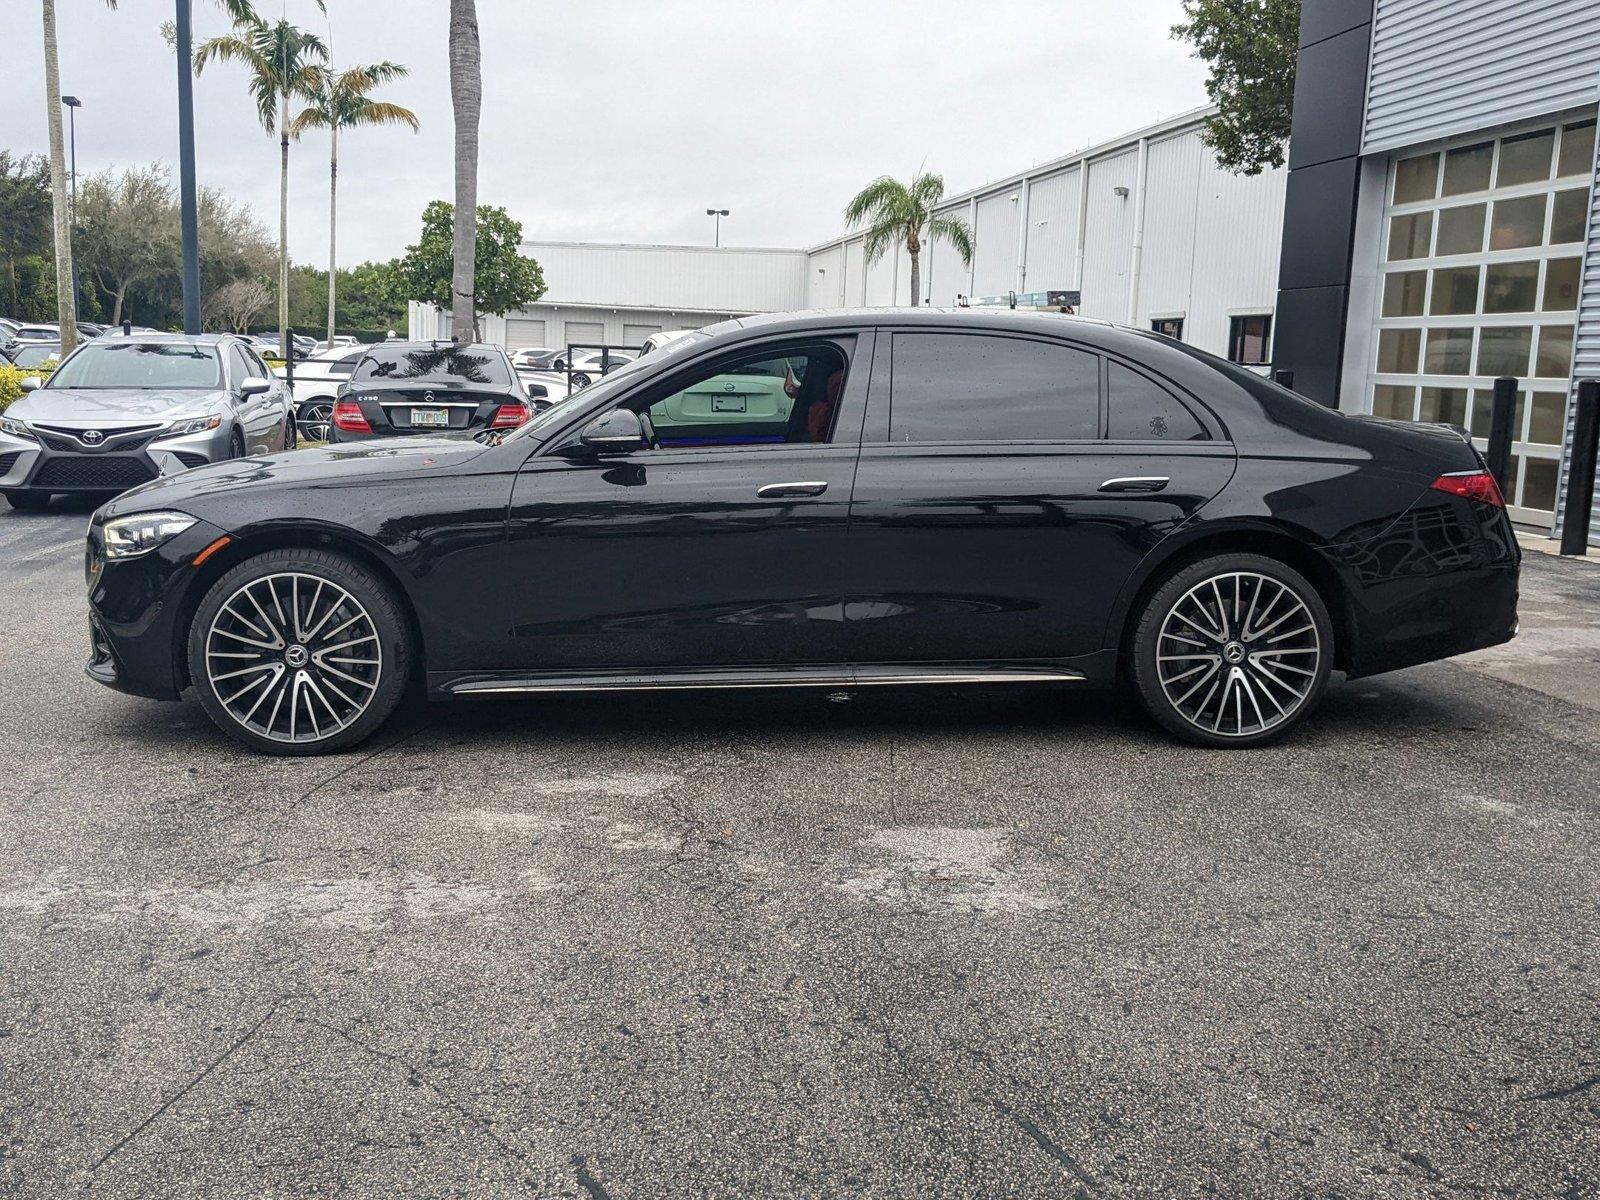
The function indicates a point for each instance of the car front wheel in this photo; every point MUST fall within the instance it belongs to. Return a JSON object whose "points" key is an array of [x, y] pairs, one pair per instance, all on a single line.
{"points": [[299, 652], [1233, 650]]}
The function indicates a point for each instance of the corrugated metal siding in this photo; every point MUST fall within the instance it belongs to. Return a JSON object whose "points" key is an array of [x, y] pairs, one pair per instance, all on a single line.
{"points": [[1108, 240], [1238, 237], [947, 274], [1586, 346], [1172, 186], [995, 263], [1446, 67], [525, 331], [855, 258], [730, 279], [1052, 231]]}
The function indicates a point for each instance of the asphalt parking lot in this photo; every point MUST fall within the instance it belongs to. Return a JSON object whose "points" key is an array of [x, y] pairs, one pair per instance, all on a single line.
{"points": [[1007, 942]]}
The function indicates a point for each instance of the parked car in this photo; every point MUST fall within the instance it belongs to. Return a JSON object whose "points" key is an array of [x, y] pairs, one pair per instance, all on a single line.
{"points": [[588, 367], [340, 342], [401, 388], [1003, 498], [667, 336], [90, 329], [537, 358], [119, 412], [317, 381], [38, 333], [32, 354], [8, 328]]}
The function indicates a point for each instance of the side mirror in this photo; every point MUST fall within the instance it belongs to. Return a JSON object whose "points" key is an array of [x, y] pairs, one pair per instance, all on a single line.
{"points": [[31, 383], [255, 386], [618, 432]]}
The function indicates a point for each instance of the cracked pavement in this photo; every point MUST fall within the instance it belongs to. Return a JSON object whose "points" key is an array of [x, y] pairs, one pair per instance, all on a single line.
{"points": [[927, 942]]}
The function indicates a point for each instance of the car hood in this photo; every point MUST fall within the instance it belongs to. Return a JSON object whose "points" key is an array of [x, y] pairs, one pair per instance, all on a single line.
{"points": [[351, 465], [110, 406]]}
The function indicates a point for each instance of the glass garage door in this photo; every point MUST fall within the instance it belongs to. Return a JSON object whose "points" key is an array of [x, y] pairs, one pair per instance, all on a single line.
{"points": [[1483, 250]]}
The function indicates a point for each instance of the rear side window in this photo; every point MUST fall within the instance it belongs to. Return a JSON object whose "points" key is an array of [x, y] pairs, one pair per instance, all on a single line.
{"points": [[1141, 410], [961, 387]]}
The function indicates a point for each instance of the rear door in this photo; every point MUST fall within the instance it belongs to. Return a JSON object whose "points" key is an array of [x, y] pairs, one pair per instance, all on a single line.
{"points": [[1007, 487]]}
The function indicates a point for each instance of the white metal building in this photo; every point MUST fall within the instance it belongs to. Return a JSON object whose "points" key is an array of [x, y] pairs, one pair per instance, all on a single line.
{"points": [[621, 294], [1145, 226]]}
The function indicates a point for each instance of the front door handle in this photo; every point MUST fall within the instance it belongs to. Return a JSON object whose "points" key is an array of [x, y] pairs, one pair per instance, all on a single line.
{"points": [[1136, 483], [778, 491]]}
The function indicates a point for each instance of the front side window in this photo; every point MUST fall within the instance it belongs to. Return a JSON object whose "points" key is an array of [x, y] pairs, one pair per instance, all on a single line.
{"points": [[771, 400], [126, 364], [434, 364], [962, 387], [1250, 340]]}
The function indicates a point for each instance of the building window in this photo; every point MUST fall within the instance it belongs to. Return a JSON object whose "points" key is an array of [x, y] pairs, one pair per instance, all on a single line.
{"points": [[1250, 340], [1171, 327], [1480, 280]]}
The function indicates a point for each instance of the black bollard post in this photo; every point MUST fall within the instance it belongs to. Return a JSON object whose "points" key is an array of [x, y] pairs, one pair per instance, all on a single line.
{"points": [[1580, 470], [1500, 433], [288, 360]]}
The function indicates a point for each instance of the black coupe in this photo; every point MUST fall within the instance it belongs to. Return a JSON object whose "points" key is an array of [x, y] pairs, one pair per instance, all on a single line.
{"points": [[829, 500]]}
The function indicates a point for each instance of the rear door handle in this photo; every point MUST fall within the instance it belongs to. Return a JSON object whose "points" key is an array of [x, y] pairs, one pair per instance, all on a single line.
{"points": [[1136, 483], [777, 491]]}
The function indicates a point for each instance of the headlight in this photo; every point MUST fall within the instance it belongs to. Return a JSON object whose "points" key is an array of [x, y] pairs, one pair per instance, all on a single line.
{"points": [[196, 425], [17, 429], [129, 537]]}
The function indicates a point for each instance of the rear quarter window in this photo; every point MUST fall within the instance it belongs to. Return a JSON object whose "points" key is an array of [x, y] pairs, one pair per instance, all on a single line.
{"points": [[1141, 410]]}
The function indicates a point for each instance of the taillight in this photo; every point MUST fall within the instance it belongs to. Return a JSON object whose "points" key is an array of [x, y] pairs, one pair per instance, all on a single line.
{"points": [[348, 417], [509, 416], [1474, 485]]}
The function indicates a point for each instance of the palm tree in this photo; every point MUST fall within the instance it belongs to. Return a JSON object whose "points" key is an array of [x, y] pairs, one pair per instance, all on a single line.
{"points": [[894, 212], [66, 299], [339, 100], [466, 98], [284, 62]]}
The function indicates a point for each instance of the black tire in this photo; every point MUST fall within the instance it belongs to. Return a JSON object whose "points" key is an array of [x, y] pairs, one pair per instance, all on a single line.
{"points": [[1210, 670], [273, 579], [291, 431], [236, 444], [28, 501]]}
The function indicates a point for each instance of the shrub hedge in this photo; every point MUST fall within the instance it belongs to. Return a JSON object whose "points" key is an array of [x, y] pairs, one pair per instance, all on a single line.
{"points": [[11, 382]]}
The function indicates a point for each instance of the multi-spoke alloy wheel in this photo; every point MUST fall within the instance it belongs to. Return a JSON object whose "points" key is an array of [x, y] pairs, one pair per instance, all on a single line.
{"points": [[315, 418], [1233, 650], [297, 652]]}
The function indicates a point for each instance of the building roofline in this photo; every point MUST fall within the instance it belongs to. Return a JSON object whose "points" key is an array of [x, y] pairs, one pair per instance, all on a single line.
{"points": [[1180, 123], [533, 242]]}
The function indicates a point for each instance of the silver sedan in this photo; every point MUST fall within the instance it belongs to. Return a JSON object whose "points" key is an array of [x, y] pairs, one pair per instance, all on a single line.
{"points": [[120, 412]]}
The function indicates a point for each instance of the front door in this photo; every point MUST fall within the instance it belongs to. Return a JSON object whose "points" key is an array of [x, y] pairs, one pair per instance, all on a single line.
{"points": [[719, 545], [1008, 486]]}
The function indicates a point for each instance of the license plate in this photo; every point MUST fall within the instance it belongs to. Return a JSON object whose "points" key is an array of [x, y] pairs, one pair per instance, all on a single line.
{"points": [[430, 416], [734, 404]]}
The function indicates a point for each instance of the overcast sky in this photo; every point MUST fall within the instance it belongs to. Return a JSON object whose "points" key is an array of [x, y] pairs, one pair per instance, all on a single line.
{"points": [[623, 120]]}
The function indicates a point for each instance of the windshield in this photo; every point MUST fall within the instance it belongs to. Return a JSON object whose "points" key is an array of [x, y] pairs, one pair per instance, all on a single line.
{"points": [[615, 382], [435, 364], [123, 364]]}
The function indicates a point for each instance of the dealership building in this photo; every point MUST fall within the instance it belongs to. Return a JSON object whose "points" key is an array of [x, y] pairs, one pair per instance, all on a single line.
{"points": [[1436, 227]]}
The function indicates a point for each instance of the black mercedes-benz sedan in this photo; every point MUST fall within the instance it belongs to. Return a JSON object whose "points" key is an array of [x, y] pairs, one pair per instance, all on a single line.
{"points": [[838, 500], [401, 388]]}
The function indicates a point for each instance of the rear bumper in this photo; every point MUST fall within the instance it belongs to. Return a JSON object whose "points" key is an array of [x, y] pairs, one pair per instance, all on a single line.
{"points": [[1442, 581]]}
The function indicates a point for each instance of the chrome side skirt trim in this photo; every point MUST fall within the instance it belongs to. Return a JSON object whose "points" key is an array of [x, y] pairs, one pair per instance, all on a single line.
{"points": [[691, 683]]}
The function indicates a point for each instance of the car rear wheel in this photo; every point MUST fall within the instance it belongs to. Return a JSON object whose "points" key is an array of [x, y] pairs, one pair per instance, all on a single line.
{"points": [[315, 418], [28, 501], [299, 652], [1233, 650]]}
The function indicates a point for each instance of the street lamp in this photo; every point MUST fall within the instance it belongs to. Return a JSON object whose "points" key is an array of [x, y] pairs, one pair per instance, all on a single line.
{"points": [[73, 105], [189, 212], [718, 213]]}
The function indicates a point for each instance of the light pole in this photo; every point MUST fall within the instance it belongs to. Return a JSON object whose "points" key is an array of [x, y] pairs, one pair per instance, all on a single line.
{"points": [[73, 105], [186, 198], [718, 213]]}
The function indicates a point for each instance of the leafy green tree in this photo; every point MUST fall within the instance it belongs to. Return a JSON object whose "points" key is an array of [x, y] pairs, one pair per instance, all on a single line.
{"points": [[896, 213], [341, 100], [127, 230], [504, 279], [24, 225], [1251, 48], [284, 63]]}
